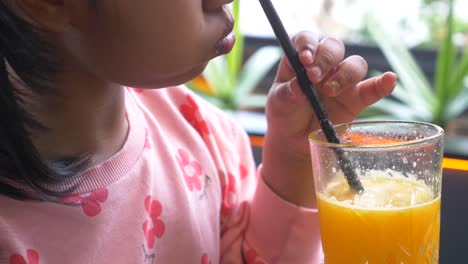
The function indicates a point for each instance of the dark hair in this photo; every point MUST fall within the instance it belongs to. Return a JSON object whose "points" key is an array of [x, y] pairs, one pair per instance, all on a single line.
{"points": [[23, 173]]}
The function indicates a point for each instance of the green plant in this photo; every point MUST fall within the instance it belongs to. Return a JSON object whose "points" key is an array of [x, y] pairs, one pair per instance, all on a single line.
{"points": [[414, 98], [433, 15], [228, 82]]}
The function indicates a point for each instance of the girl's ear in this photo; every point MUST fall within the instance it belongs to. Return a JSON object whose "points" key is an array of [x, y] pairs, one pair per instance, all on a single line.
{"points": [[51, 15]]}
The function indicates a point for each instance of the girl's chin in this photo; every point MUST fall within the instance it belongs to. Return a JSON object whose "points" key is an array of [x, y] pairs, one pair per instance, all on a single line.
{"points": [[174, 80]]}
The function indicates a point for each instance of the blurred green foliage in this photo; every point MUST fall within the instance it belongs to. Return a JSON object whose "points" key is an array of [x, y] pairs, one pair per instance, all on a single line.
{"points": [[414, 97]]}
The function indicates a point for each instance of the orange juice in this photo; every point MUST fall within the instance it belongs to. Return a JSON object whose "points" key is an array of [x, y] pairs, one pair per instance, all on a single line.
{"points": [[397, 220]]}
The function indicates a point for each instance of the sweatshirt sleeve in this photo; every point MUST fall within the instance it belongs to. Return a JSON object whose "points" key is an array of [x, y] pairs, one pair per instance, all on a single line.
{"points": [[257, 226], [281, 232]]}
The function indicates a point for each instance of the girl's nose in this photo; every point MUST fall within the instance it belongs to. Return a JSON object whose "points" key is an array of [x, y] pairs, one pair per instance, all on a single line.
{"points": [[214, 5]]}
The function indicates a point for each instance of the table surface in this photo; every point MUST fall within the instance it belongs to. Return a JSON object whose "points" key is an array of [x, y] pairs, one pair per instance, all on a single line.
{"points": [[454, 217]]}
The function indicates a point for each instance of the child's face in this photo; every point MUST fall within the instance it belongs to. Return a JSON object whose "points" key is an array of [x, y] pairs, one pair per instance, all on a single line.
{"points": [[148, 43]]}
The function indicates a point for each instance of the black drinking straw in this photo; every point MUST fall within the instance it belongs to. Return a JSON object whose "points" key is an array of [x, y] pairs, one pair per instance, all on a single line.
{"points": [[311, 94]]}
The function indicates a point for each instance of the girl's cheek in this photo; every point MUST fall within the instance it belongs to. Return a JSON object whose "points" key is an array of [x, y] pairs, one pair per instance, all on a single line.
{"points": [[56, 2], [212, 5]]}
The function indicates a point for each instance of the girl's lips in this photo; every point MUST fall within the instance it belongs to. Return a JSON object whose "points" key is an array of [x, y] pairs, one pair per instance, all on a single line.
{"points": [[225, 45]]}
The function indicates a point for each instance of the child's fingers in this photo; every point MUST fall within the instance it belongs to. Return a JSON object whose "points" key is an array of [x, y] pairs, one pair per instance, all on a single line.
{"points": [[374, 89], [330, 52], [349, 73], [350, 103], [306, 44]]}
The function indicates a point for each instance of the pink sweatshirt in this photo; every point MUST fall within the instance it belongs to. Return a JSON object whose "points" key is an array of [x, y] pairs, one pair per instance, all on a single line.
{"points": [[183, 189]]}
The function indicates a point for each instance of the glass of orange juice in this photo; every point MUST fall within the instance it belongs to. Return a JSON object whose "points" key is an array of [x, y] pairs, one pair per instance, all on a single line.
{"points": [[397, 217]]}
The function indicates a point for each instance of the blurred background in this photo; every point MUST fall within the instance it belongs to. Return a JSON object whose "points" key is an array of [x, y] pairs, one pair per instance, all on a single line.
{"points": [[424, 41], [417, 23]]}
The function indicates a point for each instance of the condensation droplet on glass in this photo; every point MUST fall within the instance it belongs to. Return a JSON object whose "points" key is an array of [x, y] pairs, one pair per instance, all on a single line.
{"points": [[334, 170], [405, 160], [414, 164]]}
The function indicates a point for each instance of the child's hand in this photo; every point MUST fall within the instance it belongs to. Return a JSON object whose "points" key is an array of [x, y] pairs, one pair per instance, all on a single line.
{"points": [[344, 94]]}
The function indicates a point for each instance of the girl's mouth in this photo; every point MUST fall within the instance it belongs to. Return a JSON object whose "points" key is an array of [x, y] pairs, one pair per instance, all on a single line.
{"points": [[225, 45]]}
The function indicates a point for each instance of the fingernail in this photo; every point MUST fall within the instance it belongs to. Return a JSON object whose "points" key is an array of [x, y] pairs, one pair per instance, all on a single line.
{"points": [[307, 56], [333, 87], [315, 74]]}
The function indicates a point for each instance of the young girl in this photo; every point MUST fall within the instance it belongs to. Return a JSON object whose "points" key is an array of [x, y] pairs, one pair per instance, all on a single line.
{"points": [[94, 172]]}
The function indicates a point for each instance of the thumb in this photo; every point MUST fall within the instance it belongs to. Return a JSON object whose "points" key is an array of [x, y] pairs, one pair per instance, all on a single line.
{"points": [[282, 96], [287, 108]]}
